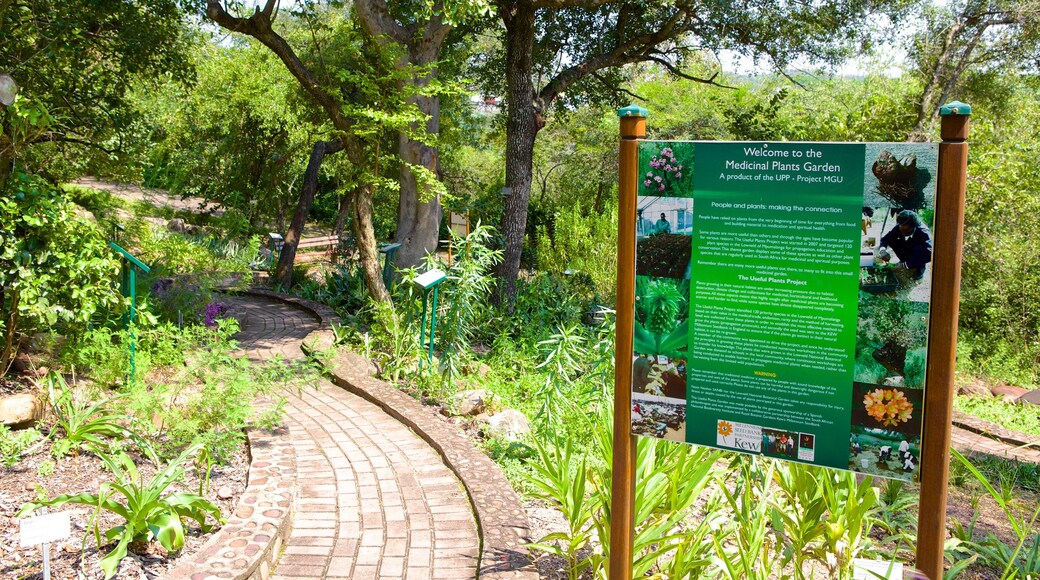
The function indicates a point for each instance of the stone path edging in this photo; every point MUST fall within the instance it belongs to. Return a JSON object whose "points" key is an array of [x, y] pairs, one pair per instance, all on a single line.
{"points": [[248, 545], [1025, 448], [500, 516]]}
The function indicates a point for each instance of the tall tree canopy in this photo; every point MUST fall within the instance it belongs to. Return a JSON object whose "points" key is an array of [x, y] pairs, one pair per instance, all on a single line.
{"points": [[566, 51], [967, 37], [74, 61]]}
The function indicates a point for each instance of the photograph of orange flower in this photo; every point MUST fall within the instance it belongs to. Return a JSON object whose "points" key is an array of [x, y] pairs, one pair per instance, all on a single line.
{"points": [[885, 408], [888, 406]]}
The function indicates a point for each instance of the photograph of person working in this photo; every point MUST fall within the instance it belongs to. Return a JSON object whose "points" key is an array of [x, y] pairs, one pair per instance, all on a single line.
{"points": [[912, 243]]}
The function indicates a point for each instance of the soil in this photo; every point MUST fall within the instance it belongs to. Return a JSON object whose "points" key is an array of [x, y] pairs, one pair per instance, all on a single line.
{"points": [[78, 557], [664, 256]]}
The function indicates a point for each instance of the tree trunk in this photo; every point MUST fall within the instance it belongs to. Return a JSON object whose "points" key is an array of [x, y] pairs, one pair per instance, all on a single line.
{"points": [[344, 211], [521, 129], [283, 273], [418, 222], [365, 234], [9, 333]]}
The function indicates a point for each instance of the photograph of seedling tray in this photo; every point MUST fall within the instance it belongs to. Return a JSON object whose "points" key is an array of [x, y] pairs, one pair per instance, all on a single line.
{"points": [[878, 280]]}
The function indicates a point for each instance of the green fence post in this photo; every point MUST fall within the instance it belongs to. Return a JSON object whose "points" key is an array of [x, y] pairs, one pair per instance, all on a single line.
{"points": [[429, 281], [389, 251], [130, 265]]}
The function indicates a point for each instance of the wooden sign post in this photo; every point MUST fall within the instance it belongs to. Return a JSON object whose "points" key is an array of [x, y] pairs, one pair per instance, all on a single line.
{"points": [[623, 480], [942, 341]]}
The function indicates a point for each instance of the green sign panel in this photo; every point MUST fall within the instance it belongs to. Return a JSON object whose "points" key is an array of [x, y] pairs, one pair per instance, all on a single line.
{"points": [[782, 299]]}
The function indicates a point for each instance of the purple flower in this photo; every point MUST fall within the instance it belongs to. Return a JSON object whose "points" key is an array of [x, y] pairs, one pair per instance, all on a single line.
{"points": [[661, 188], [658, 179], [667, 167], [214, 310], [678, 175], [667, 152], [649, 174], [647, 183]]}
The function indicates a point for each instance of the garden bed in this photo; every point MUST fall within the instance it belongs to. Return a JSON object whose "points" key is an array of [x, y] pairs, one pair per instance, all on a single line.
{"points": [[78, 557], [664, 256]]}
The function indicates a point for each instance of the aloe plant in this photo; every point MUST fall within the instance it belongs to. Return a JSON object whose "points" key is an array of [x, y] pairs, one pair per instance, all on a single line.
{"points": [[661, 303], [84, 425], [148, 511]]}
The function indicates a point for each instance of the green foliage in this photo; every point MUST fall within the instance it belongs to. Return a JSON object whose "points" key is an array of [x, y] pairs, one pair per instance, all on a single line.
{"points": [[1020, 560], [211, 401], [464, 294], [14, 443], [1021, 418], [56, 270], [75, 60], [149, 512], [581, 241], [1000, 316], [94, 426]]}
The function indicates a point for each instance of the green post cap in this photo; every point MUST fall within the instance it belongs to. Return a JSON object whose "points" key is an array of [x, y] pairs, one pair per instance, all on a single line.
{"points": [[632, 111], [955, 108]]}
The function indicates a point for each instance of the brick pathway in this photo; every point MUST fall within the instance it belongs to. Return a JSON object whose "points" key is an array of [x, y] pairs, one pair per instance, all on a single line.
{"points": [[374, 500]]}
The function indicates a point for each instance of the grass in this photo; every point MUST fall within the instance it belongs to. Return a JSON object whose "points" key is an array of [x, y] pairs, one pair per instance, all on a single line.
{"points": [[1021, 418]]}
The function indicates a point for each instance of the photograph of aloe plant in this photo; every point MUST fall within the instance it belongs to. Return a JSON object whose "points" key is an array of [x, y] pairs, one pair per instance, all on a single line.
{"points": [[891, 341], [901, 175], [660, 340]]}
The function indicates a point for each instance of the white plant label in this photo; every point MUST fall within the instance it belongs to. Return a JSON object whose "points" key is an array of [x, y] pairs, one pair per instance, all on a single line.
{"points": [[44, 529]]}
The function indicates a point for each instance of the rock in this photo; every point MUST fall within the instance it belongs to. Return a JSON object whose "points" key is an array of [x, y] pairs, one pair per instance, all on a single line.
{"points": [[20, 410], [474, 402], [225, 492], [1008, 392], [896, 381], [1030, 398], [21, 363], [974, 389], [175, 225], [192, 230], [510, 425]]}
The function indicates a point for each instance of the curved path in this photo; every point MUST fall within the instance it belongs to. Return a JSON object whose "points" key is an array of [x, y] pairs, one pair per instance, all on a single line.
{"points": [[374, 500]]}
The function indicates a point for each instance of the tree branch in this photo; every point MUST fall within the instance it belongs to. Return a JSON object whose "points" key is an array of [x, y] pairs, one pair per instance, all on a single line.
{"points": [[52, 137], [375, 18], [258, 26], [672, 69]]}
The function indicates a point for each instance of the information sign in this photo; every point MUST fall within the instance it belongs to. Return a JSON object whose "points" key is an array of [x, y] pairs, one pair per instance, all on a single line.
{"points": [[782, 297], [44, 529]]}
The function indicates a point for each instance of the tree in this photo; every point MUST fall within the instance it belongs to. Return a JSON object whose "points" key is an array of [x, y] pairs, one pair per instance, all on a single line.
{"points": [[75, 61], [333, 99], [413, 40], [548, 40], [970, 36], [244, 148]]}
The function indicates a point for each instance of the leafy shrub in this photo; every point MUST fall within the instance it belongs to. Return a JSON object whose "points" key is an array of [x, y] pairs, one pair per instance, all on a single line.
{"points": [[56, 270], [84, 424], [582, 241], [14, 443]]}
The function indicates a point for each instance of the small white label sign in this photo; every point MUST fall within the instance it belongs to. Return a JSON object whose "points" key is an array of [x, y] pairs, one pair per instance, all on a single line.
{"points": [[44, 529], [430, 278], [863, 569]]}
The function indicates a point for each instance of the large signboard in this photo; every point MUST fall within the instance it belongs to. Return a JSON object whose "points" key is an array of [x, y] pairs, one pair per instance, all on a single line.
{"points": [[782, 296]]}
